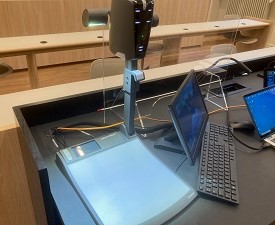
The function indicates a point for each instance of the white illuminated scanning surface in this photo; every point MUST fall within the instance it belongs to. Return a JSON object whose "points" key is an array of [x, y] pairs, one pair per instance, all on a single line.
{"points": [[128, 185]]}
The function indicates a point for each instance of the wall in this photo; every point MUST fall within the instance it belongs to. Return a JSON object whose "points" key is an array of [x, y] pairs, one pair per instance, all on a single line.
{"points": [[218, 10], [21, 18], [271, 39]]}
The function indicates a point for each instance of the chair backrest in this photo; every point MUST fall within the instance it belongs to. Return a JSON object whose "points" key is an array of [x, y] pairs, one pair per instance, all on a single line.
{"points": [[106, 67], [223, 49], [5, 69]]}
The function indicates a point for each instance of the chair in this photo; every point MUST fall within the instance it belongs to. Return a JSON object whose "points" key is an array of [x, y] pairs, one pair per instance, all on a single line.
{"points": [[106, 67], [5, 69], [221, 50], [238, 36]]}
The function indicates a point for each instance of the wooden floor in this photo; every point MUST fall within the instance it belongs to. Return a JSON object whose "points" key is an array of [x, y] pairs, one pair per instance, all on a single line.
{"points": [[66, 73]]}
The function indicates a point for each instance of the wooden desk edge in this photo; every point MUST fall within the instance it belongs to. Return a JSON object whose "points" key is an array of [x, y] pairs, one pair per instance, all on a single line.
{"points": [[10, 100]]}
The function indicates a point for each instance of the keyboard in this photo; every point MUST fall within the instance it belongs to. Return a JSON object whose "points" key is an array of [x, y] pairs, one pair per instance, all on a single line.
{"points": [[217, 170]]}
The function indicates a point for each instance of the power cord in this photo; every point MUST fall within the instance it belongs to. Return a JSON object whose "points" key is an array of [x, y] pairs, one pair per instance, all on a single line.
{"points": [[57, 138], [271, 63], [146, 130], [241, 64], [235, 137], [246, 145]]}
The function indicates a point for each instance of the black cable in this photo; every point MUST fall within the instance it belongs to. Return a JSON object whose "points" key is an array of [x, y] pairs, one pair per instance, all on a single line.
{"points": [[57, 138], [233, 59], [272, 62], [181, 163], [234, 136], [146, 130], [200, 76], [244, 144]]}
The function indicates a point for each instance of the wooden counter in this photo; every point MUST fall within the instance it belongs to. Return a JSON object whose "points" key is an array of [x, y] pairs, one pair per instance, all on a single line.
{"points": [[170, 34], [7, 119]]}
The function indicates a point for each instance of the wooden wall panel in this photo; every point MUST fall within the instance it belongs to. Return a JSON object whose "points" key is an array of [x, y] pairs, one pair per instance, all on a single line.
{"points": [[23, 18], [19, 18], [16, 206], [183, 11], [167, 11]]}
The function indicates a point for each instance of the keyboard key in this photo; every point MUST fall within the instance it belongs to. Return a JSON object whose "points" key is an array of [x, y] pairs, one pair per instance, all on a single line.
{"points": [[221, 192], [234, 197], [227, 195], [215, 191]]}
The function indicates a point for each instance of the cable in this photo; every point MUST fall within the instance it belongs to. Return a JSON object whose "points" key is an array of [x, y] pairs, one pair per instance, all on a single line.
{"points": [[112, 106], [235, 137], [161, 97], [233, 59], [246, 145], [106, 126], [57, 138], [146, 130], [90, 128], [85, 123], [154, 119], [272, 62], [247, 70], [180, 164], [229, 107]]}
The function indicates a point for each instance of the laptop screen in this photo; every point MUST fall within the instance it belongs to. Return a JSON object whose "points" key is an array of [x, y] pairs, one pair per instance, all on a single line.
{"points": [[189, 115], [261, 106]]}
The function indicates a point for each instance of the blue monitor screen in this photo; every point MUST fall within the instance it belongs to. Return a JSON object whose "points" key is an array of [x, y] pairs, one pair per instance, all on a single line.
{"points": [[261, 106], [270, 78], [189, 115]]}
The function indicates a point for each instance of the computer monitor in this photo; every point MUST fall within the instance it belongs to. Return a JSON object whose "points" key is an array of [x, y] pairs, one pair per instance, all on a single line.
{"points": [[189, 116]]}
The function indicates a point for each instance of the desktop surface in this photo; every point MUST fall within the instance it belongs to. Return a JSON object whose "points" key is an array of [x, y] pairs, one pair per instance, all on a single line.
{"points": [[255, 171]]}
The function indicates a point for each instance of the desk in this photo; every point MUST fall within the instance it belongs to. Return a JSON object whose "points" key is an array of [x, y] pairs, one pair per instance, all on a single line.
{"points": [[26, 194], [170, 34], [255, 171]]}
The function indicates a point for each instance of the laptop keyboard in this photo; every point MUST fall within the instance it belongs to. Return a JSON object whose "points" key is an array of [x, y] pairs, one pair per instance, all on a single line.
{"points": [[217, 171]]}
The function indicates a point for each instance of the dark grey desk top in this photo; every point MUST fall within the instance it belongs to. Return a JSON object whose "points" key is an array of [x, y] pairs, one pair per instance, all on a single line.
{"points": [[256, 176]]}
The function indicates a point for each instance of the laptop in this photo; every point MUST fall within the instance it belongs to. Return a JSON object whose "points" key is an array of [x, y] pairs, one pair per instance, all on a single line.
{"points": [[261, 106]]}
